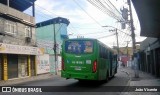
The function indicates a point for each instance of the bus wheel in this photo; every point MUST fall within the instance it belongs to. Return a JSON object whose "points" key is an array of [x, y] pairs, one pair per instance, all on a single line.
{"points": [[81, 80]]}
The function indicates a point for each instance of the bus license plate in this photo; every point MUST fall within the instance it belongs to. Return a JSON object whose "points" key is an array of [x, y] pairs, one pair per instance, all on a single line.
{"points": [[77, 68]]}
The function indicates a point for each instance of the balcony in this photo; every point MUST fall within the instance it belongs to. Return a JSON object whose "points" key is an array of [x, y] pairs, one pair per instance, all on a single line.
{"points": [[18, 15]]}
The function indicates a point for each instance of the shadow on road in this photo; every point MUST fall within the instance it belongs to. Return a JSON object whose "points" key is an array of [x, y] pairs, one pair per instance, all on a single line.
{"points": [[87, 83]]}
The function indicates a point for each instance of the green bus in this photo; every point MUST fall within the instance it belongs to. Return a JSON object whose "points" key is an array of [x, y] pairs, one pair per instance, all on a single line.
{"points": [[87, 59]]}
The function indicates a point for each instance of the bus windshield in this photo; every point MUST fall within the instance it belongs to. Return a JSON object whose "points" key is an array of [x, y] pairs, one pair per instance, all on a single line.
{"points": [[79, 47]]}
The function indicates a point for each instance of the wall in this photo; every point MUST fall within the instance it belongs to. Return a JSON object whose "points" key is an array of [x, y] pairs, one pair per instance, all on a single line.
{"points": [[17, 34], [45, 36], [45, 39], [150, 42], [43, 65], [59, 62], [52, 63], [4, 9]]}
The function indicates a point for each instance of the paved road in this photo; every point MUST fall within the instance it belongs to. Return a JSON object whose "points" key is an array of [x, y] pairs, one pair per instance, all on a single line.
{"points": [[120, 79]]}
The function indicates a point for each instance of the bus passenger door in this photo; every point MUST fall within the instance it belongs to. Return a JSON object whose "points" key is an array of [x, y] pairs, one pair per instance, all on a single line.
{"points": [[115, 64], [110, 58]]}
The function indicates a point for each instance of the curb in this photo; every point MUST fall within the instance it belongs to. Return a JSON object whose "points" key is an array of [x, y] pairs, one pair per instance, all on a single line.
{"points": [[23, 80]]}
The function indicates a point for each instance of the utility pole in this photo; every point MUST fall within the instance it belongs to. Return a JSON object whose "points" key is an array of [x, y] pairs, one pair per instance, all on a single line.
{"points": [[115, 29], [127, 47], [132, 27], [33, 9], [117, 41], [8, 3], [133, 39], [55, 54]]}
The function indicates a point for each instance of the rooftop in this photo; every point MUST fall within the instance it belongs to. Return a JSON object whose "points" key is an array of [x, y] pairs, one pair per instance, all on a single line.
{"points": [[53, 21], [20, 5], [149, 17]]}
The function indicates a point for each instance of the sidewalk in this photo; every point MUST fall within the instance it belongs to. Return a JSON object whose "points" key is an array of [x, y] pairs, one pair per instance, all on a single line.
{"points": [[26, 79], [145, 79]]}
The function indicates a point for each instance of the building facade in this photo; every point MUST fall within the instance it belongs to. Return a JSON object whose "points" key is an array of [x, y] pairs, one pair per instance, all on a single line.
{"points": [[125, 54], [17, 40], [50, 35], [149, 56]]}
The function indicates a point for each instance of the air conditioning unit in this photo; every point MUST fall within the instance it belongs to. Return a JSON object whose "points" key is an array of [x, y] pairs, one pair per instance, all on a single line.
{"points": [[28, 39], [33, 43]]}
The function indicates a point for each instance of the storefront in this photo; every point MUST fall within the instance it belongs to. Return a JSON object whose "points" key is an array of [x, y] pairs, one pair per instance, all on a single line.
{"points": [[17, 61], [22, 66], [12, 63], [33, 66]]}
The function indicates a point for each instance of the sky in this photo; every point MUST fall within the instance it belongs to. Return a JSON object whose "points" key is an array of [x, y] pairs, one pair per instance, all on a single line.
{"points": [[86, 20]]}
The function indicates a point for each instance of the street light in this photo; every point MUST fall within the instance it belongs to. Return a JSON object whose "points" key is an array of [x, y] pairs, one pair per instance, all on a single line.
{"points": [[115, 29]]}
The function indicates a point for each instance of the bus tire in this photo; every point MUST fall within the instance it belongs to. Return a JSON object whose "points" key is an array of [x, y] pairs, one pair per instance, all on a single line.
{"points": [[81, 80]]}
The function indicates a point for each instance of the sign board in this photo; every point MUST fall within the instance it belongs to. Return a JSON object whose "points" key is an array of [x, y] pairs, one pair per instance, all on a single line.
{"points": [[17, 49]]}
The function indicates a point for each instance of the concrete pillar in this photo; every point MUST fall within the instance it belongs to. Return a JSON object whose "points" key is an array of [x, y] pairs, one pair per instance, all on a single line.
{"points": [[154, 59], [5, 67], [8, 3], [29, 65], [35, 65], [33, 9]]}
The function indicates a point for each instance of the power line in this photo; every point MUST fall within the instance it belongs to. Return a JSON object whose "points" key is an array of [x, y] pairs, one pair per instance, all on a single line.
{"points": [[87, 13], [57, 15], [105, 36], [43, 13], [101, 7], [70, 28], [93, 33], [107, 7]]}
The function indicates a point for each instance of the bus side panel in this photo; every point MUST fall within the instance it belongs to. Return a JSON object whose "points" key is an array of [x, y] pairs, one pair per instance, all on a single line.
{"points": [[103, 69], [103, 63], [115, 64]]}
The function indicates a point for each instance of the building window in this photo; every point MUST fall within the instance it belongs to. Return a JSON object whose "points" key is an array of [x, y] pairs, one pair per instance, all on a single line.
{"points": [[28, 32], [10, 27]]}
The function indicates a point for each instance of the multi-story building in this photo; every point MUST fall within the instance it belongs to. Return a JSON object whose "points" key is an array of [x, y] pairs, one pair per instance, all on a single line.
{"points": [[50, 34], [17, 40], [149, 60], [149, 18], [125, 53], [125, 50]]}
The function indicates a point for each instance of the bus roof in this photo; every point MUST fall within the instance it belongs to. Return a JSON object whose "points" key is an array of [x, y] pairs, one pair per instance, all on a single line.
{"points": [[82, 39], [105, 46]]}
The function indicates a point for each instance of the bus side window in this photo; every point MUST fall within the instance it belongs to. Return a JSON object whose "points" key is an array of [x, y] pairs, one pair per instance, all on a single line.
{"points": [[106, 54], [105, 57], [100, 51], [110, 55]]}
